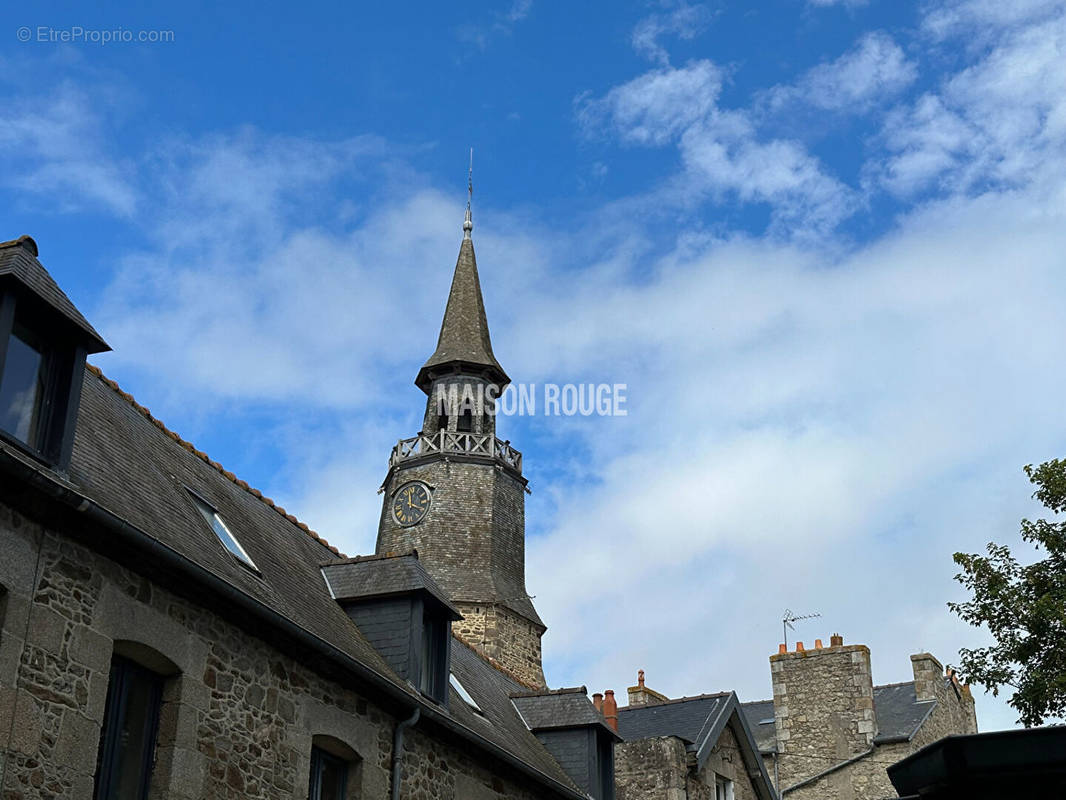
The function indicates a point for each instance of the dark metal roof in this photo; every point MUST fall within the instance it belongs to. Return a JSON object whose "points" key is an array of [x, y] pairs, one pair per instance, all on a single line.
{"points": [[899, 716], [364, 577], [559, 708], [128, 464], [464, 332], [18, 259]]}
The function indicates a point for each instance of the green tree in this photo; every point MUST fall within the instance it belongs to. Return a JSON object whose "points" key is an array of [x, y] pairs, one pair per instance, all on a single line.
{"points": [[1024, 607]]}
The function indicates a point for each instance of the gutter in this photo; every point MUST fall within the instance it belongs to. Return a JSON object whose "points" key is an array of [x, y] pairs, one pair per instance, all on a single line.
{"points": [[397, 751], [135, 538]]}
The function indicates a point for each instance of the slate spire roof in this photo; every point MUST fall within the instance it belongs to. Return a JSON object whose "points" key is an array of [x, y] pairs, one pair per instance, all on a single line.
{"points": [[463, 344]]}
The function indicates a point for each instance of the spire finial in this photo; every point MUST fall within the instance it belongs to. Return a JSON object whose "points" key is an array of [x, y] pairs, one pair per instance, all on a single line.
{"points": [[468, 223]]}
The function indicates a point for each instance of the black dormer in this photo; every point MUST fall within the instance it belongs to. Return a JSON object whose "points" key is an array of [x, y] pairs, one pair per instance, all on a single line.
{"points": [[44, 340], [575, 733], [402, 612]]}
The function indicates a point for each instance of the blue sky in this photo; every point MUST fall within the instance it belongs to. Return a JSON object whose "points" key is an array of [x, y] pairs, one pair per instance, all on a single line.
{"points": [[820, 241]]}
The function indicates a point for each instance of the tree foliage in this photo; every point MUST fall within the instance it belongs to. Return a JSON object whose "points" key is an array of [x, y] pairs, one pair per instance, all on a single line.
{"points": [[1024, 607]]}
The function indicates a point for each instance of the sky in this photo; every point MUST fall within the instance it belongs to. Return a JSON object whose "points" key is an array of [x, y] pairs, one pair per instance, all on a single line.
{"points": [[820, 242]]}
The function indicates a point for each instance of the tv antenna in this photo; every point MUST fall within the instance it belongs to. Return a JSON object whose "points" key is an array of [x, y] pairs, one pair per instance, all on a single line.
{"points": [[790, 617]]}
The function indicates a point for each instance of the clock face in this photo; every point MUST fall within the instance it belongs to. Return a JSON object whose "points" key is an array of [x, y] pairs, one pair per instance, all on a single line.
{"points": [[410, 504]]}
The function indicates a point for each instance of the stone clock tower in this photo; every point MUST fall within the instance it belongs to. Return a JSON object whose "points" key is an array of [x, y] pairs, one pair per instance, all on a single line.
{"points": [[456, 493]]}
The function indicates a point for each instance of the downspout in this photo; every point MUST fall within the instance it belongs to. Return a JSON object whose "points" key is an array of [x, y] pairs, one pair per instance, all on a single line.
{"points": [[397, 751], [777, 779]]}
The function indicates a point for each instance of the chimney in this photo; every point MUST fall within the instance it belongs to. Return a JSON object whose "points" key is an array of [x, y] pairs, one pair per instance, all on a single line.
{"points": [[641, 695], [597, 702], [610, 709], [836, 640], [928, 676], [823, 706]]}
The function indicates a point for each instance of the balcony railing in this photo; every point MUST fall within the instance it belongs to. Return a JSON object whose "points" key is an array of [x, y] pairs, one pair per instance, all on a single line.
{"points": [[448, 443]]}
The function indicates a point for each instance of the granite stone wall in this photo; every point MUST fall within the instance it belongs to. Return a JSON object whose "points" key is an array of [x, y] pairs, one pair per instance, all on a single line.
{"points": [[509, 638], [238, 718]]}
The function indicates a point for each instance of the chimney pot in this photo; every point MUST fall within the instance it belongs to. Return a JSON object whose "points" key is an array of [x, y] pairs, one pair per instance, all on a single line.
{"points": [[610, 709], [640, 678], [836, 640], [597, 702], [782, 648], [799, 647], [817, 644]]}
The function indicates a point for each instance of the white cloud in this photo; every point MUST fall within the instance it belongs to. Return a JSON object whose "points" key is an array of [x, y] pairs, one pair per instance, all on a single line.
{"points": [[721, 150], [873, 71], [1000, 121], [501, 23], [682, 20], [55, 146]]}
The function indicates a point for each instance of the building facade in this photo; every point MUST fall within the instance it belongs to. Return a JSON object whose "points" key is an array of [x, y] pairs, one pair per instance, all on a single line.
{"points": [[166, 631], [829, 732]]}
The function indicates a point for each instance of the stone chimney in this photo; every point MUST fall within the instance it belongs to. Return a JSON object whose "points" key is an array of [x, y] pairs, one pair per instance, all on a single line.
{"points": [[823, 706], [641, 695], [928, 674], [610, 709], [597, 702]]}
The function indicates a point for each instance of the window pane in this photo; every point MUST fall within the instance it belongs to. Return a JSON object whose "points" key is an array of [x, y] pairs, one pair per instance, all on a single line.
{"points": [[329, 776], [22, 390], [127, 741]]}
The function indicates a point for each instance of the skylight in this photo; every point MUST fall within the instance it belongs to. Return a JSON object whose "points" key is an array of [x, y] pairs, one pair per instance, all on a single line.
{"points": [[229, 541], [463, 693]]}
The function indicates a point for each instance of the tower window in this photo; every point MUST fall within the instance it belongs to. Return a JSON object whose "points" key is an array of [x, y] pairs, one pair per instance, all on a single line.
{"points": [[229, 541], [23, 387], [127, 740], [465, 423]]}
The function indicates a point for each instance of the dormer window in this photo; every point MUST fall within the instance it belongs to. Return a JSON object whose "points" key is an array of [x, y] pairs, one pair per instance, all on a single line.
{"points": [[43, 343], [23, 387], [433, 678], [222, 531]]}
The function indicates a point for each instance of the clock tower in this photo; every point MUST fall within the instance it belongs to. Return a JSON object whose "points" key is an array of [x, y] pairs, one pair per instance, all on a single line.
{"points": [[455, 492]]}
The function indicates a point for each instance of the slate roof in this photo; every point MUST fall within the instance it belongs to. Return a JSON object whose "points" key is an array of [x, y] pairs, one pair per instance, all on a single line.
{"points": [[684, 718], [464, 332], [18, 258], [699, 722], [757, 715], [127, 463], [899, 713], [559, 708], [899, 716], [500, 721], [379, 576]]}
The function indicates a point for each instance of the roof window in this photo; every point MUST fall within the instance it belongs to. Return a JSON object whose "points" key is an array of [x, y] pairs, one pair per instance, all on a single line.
{"points": [[463, 693], [224, 534]]}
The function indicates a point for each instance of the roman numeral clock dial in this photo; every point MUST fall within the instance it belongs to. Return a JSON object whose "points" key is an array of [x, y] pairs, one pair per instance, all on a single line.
{"points": [[410, 504]]}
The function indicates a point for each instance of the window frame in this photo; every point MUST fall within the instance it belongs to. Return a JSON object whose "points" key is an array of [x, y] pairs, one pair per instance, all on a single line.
{"points": [[726, 784], [321, 758], [62, 361], [206, 509], [122, 671], [433, 640]]}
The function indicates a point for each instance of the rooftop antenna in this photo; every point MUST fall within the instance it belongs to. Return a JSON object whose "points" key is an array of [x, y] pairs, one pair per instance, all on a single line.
{"points": [[468, 224], [789, 618]]}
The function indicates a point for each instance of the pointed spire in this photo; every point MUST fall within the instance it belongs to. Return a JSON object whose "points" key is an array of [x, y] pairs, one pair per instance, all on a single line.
{"points": [[464, 344], [468, 223]]}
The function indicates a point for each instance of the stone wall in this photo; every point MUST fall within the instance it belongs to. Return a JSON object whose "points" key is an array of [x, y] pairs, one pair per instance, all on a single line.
{"points": [[238, 718], [473, 544], [659, 769], [510, 639], [823, 708], [651, 768]]}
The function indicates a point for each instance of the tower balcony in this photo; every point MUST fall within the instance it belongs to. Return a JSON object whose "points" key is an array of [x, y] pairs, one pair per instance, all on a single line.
{"points": [[448, 443]]}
